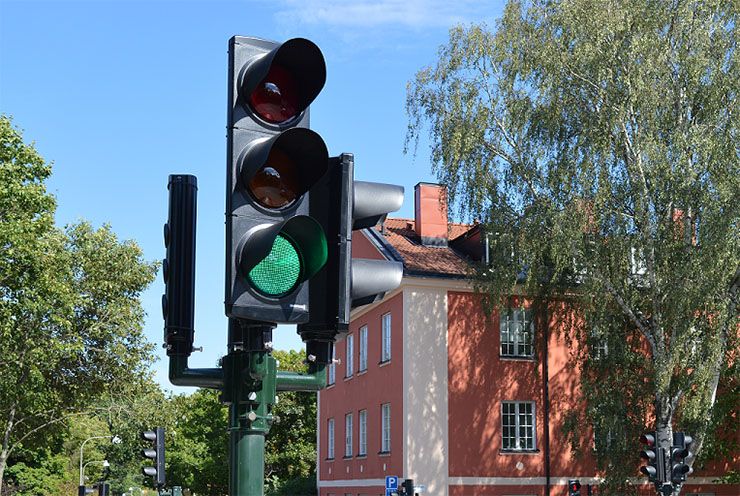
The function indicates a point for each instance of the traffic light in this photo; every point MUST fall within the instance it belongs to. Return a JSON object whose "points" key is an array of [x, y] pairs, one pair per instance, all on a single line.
{"points": [[156, 454], [574, 487], [342, 205], [679, 452], [408, 487], [178, 269], [273, 246], [655, 467], [104, 489]]}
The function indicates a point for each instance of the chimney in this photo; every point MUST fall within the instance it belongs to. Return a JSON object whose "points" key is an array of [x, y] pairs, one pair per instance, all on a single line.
{"points": [[430, 212]]}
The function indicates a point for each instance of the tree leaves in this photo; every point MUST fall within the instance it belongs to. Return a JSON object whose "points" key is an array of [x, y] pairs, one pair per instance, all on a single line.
{"points": [[596, 141]]}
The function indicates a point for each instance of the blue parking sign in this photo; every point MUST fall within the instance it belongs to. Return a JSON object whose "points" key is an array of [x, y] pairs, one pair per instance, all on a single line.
{"points": [[391, 482]]}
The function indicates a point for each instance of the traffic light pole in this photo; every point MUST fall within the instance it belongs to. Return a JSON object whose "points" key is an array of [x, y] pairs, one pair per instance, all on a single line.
{"points": [[250, 383]]}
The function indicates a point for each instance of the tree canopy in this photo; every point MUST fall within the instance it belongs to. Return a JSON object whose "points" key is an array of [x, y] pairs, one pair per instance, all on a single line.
{"points": [[596, 141], [70, 315]]}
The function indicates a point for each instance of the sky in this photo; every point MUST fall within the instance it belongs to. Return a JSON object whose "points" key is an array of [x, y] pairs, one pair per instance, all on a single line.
{"points": [[120, 94]]}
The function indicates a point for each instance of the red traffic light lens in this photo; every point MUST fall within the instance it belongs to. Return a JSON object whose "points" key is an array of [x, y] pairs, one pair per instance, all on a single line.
{"points": [[275, 98], [275, 184]]}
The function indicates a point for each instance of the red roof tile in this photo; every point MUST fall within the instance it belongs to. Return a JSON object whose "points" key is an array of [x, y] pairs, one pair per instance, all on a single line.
{"points": [[432, 260]]}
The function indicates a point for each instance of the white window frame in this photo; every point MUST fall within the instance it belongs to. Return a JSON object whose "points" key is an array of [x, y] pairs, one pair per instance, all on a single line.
{"points": [[348, 435], [385, 428], [332, 374], [600, 345], [385, 335], [330, 439], [516, 332], [350, 370], [362, 448], [362, 366], [522, 432]]}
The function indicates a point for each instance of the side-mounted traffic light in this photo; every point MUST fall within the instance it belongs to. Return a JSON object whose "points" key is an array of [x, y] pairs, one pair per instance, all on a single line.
{"points": [[574, 487], [156, 454], [655, 468], [679, 453], [273, 246], [341, 204], [178, 269]]}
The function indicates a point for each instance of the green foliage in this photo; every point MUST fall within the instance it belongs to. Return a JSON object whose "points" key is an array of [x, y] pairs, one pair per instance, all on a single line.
{"points": [[70, 315], [290, 447], [197, 457], [301, 486], [597, 142], [42, 478]]}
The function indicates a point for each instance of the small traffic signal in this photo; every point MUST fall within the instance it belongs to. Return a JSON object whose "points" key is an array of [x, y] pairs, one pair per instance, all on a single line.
{"points": [[574, 487], [342, 205], [273, 246], [178, 269], [679, 453], [408, 487], [655, 467], [156, 454]]}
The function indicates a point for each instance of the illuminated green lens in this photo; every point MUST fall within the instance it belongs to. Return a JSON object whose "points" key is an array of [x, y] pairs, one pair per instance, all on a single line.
{"points": [[279, 271]]}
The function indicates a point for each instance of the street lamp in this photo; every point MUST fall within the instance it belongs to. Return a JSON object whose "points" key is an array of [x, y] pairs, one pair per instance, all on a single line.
{"points": [[114, 439], [104, 462]]}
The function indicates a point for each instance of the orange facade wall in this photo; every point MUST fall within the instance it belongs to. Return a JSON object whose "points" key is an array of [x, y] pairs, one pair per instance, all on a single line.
{"points": [[479, 381], [380, 384]]}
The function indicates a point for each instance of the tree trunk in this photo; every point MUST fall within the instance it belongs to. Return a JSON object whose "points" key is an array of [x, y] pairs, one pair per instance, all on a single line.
{"points": [[5, 448]]}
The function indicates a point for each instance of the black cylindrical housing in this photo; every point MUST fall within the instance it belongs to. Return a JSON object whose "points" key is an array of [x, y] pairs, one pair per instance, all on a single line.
{"points": [[178, 302]]}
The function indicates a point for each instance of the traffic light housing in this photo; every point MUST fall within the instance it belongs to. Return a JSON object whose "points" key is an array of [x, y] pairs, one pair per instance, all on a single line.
{"points": [[156, 454], [342, 205], [653, 455], [679, 453], [574, 487], [273, 246], [408, 487], [178, 268]]}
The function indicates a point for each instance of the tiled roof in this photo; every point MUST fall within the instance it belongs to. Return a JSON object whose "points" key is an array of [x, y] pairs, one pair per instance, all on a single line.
{"points": [[426, 260]]}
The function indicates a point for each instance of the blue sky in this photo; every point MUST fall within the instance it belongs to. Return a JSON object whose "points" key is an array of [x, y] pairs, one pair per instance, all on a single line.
{"points": [[120, 94]]}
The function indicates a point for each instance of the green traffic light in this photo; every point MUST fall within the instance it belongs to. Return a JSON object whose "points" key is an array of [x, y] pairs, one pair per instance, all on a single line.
{"points": [[278, 273]]}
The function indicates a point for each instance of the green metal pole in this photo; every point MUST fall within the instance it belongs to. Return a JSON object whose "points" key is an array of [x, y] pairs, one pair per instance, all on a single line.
{"points": [[249, 390]]}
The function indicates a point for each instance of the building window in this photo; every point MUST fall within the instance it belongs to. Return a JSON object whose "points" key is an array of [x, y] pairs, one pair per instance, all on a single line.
{"points": [[517, 333], [599, 345], [385, 423], [332, 374], [517, 425], [330, 438], [363, 349], [385, 346], [348, 435], [350, 355], [362, 448]]}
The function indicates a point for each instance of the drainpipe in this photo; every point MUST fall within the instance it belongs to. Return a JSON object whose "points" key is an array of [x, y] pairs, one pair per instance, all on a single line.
{"points": [[546, 390]]}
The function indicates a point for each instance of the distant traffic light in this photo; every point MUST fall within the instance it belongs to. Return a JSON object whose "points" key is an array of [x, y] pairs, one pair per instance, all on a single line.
{"points": [[655, 468], [342, 205], [156, 454], [273, 246], [679, 453], [574, 487], [408, 487]]}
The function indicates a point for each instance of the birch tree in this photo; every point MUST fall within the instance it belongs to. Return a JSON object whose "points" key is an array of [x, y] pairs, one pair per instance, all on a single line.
{"points": [[597, 143]]}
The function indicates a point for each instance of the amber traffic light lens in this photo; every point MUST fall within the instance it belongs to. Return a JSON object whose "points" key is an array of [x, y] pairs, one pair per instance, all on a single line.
{"points": [[275, 184], [275, 98]]}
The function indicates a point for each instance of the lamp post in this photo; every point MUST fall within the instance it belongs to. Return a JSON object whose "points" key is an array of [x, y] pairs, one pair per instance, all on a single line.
{"points": [[114, 439], [104, 462]]}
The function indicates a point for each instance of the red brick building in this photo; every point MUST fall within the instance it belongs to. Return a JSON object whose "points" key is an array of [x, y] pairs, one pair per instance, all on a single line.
{"points": [[428, 388]]}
